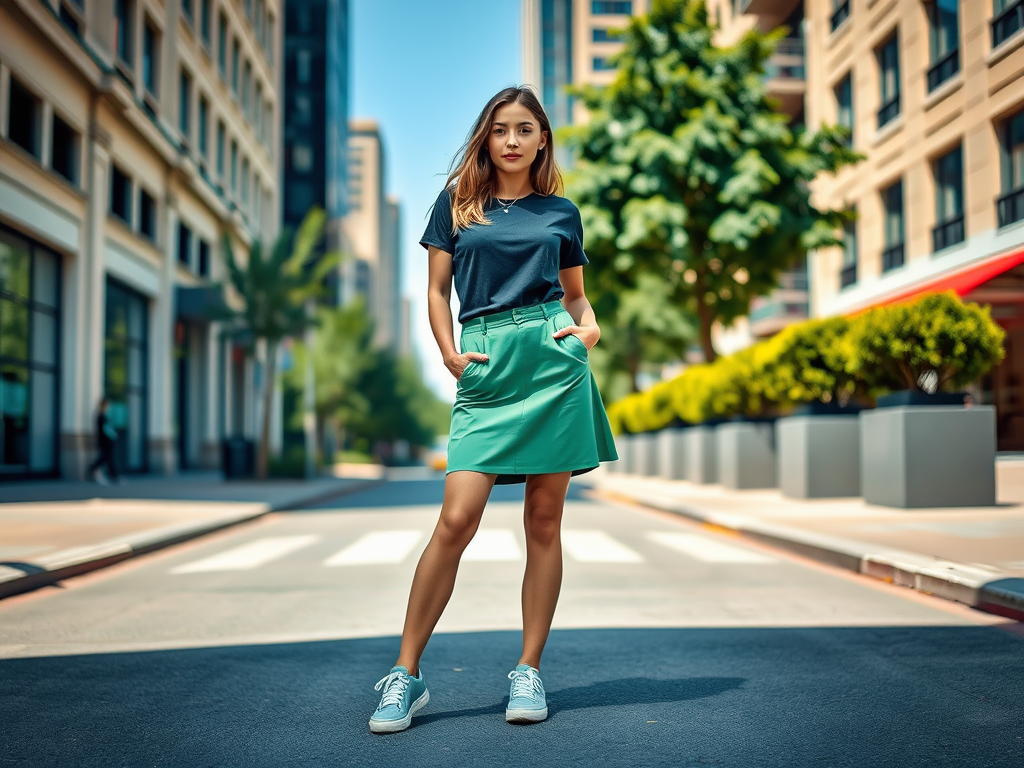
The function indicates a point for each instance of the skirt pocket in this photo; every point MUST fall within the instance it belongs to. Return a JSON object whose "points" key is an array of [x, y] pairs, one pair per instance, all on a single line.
{"points": [[571, 343]]}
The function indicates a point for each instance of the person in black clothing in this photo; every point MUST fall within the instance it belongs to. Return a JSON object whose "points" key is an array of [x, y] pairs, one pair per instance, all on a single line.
{"points": [[106, 439]]}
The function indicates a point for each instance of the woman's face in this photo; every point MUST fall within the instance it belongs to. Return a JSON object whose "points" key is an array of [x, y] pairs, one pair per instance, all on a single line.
{"points": [[515, 138]]}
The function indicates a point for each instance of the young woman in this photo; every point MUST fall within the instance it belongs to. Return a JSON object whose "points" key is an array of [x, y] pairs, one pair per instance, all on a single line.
{"points": [[527, 408]]}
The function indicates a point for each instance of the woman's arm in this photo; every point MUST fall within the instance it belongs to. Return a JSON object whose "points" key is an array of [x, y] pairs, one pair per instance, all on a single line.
{"points": [[439, 308], [576, 304]]}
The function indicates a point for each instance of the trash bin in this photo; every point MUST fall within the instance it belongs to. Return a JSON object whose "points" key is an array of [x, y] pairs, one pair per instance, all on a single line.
{"points": [[238, 458]]}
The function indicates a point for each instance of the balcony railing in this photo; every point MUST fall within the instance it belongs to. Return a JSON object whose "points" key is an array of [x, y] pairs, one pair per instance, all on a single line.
{"points": [[840, 14], [1008, 23], [848, 276], [892, 257], [788, 60], [1010, 207], [889, 111], [948, 233], [943, 69]]}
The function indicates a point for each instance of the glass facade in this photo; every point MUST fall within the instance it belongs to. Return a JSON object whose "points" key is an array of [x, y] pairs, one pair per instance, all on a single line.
{"points": [[125, 379], [29, 357]]}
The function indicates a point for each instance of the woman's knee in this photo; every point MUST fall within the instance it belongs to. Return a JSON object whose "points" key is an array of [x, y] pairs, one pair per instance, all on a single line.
{"points": [[455, 530], [543, 522]]}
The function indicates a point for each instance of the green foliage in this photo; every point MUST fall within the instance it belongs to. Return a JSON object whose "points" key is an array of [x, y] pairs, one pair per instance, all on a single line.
{"points": [[291, 464], [807, 362], [937, 343], [687, 171]]}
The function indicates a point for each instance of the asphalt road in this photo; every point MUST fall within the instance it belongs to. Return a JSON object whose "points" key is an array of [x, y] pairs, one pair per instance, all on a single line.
{"points": [[673, 645]]}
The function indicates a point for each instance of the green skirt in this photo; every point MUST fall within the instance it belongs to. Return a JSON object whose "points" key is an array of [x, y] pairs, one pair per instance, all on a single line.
{"points": [[533, 407]]}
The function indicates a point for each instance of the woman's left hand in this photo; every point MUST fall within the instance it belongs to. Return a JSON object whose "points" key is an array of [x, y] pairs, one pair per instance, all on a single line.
{"points": [[588, 334]]}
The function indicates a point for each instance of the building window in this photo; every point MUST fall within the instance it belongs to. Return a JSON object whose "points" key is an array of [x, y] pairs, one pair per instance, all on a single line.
{"points": [[222, 45], [234, 167], [602, 64], [597, 7], [70, 15], [245, 183], [261, 13], [258, 106], [848, 275], [120, 194], [892, 201], [220, 150], [26, 131], [1011, 203], [204, 21], [268, 125], [185, 105], [150, 59], [246, 87], [889, 80], [840, 13], [204, 116], [945, 41], [29, 357], [303, 110], [303, 67], [184, 245], [147, 215], [1007, 20], [204, 258], [844, 106], [125, 383], [124, 32], [302, 158], [235, 70], [186, 10], [64, 150], [604, 35], [268, 46], [949, 200]]}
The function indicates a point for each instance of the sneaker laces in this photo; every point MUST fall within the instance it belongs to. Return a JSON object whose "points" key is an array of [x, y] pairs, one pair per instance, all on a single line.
{"points": [[525, 683], [394, 685]]}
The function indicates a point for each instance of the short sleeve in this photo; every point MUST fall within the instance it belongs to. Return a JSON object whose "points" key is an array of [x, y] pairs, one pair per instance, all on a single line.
{"points": [[439, 227], [571, 253]]}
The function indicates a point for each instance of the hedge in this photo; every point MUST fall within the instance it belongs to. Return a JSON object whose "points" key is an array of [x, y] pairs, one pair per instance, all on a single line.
{"points": [[937, 343]]}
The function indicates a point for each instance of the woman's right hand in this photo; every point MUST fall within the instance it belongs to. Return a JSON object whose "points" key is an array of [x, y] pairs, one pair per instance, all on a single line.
{"points": [[457, 363]]}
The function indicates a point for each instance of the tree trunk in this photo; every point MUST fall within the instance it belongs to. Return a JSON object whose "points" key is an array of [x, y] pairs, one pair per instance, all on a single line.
{"points": [[268, 398], [706, 320]]}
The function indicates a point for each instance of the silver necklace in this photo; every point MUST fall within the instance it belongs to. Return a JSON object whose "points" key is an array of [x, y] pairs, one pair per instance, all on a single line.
{"points": [[505, 206]]}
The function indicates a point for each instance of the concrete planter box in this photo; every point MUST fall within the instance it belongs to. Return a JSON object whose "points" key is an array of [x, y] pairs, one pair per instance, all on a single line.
{"points": [[746, 455], [624, 446], [646, 454], [929, 456], [818, 456], [672, 454], [701, 459]]}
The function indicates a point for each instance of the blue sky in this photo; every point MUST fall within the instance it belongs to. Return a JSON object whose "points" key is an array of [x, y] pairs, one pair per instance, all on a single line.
{"points": [[424, 69]]}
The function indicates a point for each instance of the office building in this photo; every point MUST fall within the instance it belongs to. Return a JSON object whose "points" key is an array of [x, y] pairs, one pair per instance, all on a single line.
{"points": [[134, 135]]}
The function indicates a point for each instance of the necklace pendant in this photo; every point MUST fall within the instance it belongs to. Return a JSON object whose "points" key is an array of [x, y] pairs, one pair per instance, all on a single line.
{"points": [[505, 210]]}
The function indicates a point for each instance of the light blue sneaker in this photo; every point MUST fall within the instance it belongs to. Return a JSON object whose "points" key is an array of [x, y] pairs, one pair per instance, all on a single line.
{"points": [[403, 696], [526, 700]]}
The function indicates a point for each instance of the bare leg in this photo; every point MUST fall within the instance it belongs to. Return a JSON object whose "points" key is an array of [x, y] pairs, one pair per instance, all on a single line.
{"points": [[465, 494], [545, 499]]}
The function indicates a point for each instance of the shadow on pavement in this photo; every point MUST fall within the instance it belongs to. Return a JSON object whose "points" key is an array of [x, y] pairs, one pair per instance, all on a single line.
{"points": [[874, 696], [424, 492]]}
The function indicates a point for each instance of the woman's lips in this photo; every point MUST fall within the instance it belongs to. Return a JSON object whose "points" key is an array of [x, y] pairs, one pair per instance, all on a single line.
{"points": [[511, 157]]}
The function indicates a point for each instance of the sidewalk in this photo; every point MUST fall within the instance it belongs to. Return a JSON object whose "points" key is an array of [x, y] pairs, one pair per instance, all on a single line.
{"points": [[56, 529], [973, 556]]}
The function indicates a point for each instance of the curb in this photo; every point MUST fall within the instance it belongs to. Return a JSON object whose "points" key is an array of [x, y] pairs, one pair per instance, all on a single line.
{"points": [[985, 589], [78, 560]]}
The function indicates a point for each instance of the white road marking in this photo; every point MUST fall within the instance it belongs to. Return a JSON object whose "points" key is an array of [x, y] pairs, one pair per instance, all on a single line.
{"points": [[498, 544], [377, 548], [597, 547], [248, 556], [707, 549]]}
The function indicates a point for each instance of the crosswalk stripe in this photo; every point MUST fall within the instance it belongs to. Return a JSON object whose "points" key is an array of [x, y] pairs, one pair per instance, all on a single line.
{"points": [[497, 544], [377, 548], [248, 556], [708, 550], [597, 547]]}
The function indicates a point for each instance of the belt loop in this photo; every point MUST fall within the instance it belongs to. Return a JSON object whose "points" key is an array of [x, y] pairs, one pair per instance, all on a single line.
{"points": [[483, 325]]}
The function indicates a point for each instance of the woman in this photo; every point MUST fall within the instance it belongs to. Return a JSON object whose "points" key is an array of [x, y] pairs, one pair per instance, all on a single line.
{"points": [[527, 407]]}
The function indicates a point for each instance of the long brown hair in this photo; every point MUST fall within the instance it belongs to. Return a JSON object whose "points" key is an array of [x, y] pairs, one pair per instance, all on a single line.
{"points": [[473, 182]]}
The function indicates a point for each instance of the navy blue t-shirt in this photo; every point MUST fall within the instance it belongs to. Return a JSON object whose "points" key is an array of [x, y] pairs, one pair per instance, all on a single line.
{"points": [[514, 261]]}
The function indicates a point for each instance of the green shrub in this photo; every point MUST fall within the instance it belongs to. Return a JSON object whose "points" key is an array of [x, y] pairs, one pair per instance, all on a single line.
{"points": [[807, 362], [290, 464], [938, 343]]}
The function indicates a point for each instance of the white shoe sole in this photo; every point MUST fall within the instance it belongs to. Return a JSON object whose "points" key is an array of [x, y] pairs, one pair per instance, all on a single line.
{"points": [[526, 715], [392, 726]]}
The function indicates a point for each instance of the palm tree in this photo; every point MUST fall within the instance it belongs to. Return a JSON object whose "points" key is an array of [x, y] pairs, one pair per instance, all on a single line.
{"points": [[274, 289]]}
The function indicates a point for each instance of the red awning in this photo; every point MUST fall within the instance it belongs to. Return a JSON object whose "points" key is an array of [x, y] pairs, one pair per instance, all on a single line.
{"points": [[963, 280]]}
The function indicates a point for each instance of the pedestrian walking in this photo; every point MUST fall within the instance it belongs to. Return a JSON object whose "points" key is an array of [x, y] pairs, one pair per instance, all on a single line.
{"points": [[106, 440], [527, 408]]}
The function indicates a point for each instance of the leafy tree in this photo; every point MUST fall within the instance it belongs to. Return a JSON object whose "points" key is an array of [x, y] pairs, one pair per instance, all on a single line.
{"points": [[687, 170], [273, 288]]}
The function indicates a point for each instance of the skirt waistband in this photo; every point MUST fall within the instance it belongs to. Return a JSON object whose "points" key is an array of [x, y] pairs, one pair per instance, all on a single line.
{"points": [[515, 315]]}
